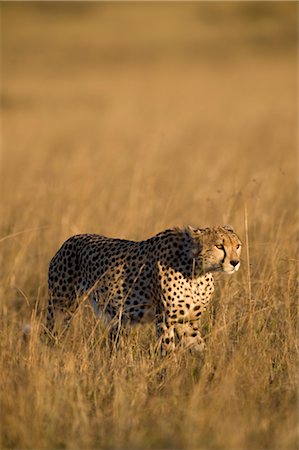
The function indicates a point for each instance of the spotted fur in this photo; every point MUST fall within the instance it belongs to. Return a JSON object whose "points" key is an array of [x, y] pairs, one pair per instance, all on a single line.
{"points": [[166, 279]]}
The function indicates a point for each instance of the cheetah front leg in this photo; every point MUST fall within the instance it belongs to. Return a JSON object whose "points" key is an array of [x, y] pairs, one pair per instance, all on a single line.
{"points": [[166, 337], [189, 336]]}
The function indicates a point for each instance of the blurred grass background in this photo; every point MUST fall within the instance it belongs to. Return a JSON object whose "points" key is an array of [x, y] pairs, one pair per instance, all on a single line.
{"points": [[124, 119]]}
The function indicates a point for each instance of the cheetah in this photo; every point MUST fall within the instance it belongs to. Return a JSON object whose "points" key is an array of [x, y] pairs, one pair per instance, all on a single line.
{"points": [[166, 279]]}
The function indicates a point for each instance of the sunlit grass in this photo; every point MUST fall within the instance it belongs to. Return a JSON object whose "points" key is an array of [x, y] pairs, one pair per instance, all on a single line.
{"points": [[126, 140]]}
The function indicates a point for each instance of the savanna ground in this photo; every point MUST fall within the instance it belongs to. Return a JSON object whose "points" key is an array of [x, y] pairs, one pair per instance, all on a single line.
{"points": [[125, 119]]}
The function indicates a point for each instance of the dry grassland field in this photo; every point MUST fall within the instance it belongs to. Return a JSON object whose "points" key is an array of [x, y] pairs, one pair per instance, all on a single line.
{"points": [[125, 119]]}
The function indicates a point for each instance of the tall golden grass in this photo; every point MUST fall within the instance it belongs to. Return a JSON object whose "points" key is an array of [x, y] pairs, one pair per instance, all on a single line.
{"points": [[125, 119]]}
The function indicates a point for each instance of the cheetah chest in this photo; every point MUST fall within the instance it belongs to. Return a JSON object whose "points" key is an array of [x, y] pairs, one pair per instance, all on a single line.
{"points": [[186, 300]]}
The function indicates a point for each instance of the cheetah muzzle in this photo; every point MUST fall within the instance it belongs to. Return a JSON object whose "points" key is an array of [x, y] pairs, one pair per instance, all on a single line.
{"points": [[166, 279]]}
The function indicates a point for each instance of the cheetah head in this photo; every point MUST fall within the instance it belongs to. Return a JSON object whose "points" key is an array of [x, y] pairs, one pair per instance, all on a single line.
{"points": [[216, 249]]}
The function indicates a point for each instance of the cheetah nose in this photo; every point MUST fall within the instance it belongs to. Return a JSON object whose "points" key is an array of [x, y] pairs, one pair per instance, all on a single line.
{"points": [[234, 262]]}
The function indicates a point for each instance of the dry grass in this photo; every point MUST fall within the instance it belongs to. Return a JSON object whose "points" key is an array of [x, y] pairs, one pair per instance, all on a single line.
{"points": [[124, 119]]}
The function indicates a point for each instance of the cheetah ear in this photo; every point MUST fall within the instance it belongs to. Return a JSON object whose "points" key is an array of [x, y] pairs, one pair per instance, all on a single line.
{"points": [[196, 247], [229, 228], [195, 233]]}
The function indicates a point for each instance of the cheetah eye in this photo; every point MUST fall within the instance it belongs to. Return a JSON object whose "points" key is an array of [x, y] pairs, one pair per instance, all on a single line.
{"points": [[220, 246], [238, 246]]}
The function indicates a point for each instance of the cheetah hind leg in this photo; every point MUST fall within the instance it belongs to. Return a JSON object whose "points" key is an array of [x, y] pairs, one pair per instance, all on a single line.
{"points": [[109, 320], [49, 328], [53, 308], [113, 338], [117, 328]]}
